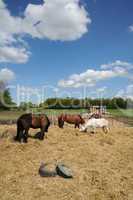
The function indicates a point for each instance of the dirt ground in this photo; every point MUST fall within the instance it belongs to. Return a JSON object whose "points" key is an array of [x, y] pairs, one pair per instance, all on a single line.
{"points": [[102, 165]]}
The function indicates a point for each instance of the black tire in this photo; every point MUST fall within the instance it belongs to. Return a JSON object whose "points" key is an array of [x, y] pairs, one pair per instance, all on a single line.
{"points": [[64, 171]]}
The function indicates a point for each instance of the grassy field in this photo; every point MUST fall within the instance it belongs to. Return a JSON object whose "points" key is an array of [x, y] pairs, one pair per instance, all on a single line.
{"points": [[12, 115], [122, 112]]}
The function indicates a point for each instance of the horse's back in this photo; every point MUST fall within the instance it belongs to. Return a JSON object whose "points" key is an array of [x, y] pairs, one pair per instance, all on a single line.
{"points": [[33, 121], [25, 118], [71, 118], [97, 122]]}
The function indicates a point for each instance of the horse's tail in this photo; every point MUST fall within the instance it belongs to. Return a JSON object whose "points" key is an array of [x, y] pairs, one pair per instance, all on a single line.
{"points": [[47, 119], [19, 131], [48, 123]]}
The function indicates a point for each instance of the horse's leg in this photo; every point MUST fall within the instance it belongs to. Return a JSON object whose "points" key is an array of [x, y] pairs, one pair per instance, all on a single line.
{"points": [[77, 125], [92, 130], [19, 136], [19, 132], [105, 129], [62, 124], [42, 134], [25, 135], [46, 129]]}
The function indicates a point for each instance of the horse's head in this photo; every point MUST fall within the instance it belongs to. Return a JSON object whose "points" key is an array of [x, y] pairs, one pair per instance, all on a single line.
{"points": [[82, 128], [82, 121]]}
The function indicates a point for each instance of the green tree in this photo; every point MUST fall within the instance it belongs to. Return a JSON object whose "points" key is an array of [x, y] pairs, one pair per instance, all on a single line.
{"points": [[6, 100]]}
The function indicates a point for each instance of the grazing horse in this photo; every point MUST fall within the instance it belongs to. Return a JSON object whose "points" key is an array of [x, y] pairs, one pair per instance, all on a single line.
{"points": [[95, 123], [27, 121], [71, 119]]}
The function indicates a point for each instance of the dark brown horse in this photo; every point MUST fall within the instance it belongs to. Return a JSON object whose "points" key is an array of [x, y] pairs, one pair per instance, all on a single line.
{"points": [[71, 119], [27, 121]]}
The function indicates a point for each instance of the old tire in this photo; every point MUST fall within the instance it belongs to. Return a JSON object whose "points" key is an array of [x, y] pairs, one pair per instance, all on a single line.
{"points": [[64, 171], [44, 172]]}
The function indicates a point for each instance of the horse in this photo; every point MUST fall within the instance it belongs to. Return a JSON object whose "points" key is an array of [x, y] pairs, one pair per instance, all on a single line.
{"points": [[27, 121], [94, 123], [71, 119]]}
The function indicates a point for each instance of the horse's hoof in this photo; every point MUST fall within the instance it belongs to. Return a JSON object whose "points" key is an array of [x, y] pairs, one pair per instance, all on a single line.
{"points": [[15, 138]]}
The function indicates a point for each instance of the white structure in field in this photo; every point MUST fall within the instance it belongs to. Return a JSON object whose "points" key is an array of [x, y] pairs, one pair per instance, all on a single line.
{"points": [[97, 109]]}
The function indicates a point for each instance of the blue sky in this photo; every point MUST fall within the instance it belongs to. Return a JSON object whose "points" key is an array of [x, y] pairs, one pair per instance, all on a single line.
{"points": [[95, 32]]}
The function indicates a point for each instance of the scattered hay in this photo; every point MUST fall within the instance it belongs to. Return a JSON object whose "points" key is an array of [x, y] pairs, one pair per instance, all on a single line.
{"points": [[102, 165], [7, 131], [106, 140]]}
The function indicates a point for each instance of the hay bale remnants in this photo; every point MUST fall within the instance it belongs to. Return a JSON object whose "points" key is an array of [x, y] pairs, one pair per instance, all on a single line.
{"points": [[102, 165]]}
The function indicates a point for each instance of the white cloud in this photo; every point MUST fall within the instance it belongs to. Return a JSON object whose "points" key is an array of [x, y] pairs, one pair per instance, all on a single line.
{"points": [[126, 93], [55, 20], [28, 94], [2, 4], [12, 48], [56, 90], [91, 77], [6, 75], [29, 90], [118, 64], [131, 28], [13, 54], [101, 90]]}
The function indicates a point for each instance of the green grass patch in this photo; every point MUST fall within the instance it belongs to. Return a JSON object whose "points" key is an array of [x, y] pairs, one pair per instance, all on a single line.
{"points": [[57, 112], [122, 112], [12, 115]]}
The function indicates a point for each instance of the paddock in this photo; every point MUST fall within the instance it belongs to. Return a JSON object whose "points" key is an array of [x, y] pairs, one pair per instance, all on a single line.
{"points": [[102, 164]]}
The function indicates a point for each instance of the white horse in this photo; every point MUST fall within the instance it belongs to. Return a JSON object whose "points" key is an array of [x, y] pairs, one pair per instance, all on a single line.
{"points": [[95, 123]]}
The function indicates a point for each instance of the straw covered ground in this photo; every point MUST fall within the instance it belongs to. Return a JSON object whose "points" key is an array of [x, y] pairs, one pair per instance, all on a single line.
{"points": [[102, 165]]}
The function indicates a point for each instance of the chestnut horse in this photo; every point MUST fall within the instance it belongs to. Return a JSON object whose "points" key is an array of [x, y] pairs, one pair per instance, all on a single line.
{"points": [[27, 121], [71, 119]]}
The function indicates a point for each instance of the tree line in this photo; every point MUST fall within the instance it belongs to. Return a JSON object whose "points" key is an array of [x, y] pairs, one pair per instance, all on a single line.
{"points": [[74, 103], [63, 103]]}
